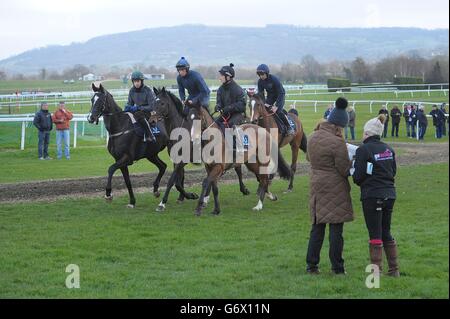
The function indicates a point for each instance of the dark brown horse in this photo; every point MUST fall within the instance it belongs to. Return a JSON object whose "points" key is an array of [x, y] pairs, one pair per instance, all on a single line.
{"points": [[170, 108], [257, 139], [124, 144], [260, 115]]}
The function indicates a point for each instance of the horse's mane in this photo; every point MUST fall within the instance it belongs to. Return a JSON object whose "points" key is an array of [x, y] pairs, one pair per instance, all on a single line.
{"points": [[176, 101]]}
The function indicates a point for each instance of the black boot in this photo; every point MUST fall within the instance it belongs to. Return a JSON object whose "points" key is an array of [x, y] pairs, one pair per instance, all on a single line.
{"points": [[148, 135], [289, 129]]}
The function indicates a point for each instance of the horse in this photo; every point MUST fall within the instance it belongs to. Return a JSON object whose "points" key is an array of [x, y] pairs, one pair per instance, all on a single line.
{"points": [[250, 157], [124, 144], [170, 108], [260, 115]]}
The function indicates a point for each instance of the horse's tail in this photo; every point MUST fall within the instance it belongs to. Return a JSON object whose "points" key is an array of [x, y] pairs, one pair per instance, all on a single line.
{"points": [[283, 168], [304, 143]]}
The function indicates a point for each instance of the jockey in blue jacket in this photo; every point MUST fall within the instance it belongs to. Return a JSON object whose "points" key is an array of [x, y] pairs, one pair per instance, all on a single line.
{"points": [[275, 94], [194, 83]]}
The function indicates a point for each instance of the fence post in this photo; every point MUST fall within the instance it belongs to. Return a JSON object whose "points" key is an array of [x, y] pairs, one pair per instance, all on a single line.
{"points": [[75, 129], [370, 106], [82, 129], [22, 139], [315, 106], [417, 130]]}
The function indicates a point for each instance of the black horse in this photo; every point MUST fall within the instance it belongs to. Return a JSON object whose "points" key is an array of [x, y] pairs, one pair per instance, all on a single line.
{"points": [[124, 144], [170, 108]]}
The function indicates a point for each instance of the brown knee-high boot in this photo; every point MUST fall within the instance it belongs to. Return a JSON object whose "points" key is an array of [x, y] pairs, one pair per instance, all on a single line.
{"points": [[390, 248], [376, 255]]}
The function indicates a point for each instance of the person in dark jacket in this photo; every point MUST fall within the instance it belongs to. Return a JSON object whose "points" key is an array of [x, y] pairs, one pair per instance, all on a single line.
{"points": [[231, 99], [444, 125], [141, 101], [396, 116], [375, 170], [43, 122], [385, 111], [328, 111], [194, 83], [410, 120], [438, 120], [423, 122], [275, 94]]}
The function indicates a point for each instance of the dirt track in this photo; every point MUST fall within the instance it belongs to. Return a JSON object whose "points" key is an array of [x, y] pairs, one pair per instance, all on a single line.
{"points": [[409, 154]]}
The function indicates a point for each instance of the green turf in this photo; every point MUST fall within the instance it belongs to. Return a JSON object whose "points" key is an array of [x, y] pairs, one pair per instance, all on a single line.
{"points": [[240, 254]]}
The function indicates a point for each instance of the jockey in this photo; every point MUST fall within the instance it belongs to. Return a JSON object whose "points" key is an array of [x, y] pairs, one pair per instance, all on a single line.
{"points": [[275, 94], [141, 101], [231, 99], [194, 83]]}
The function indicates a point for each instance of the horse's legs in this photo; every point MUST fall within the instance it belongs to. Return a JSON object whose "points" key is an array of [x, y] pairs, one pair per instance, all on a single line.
{"points": [[215, 190], [242, 187], [126, 177], [213, 176], [263, 188], [295, 149], [181, 197], [162, 206], [118, 164], [162, 169]]}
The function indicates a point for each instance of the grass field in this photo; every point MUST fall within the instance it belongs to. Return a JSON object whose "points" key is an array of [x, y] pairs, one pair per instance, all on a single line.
{"points": [[239, 254]]}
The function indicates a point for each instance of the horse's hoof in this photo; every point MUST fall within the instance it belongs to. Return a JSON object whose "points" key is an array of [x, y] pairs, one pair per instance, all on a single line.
{"points": [[215, 213], [274, 198], [161, 207], [109, 198], [130, 206], [198, 213], [289, 190], [245, 192], [156, 194], [257, 209], [193, 196], [180, 201]]}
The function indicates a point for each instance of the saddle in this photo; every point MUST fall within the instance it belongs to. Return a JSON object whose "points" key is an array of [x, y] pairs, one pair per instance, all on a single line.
{"points": [[139, 130]]}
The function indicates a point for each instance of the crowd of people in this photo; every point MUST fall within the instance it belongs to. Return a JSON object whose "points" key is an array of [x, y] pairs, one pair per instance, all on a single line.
{"points": [[415, 116]]}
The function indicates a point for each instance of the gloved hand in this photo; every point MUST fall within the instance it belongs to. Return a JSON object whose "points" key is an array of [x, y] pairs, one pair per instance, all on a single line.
{"points": [[127, 108], [217, 108]]}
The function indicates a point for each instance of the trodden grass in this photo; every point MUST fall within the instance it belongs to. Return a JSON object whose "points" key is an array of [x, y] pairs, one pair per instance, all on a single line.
{"points": [[239, 254]]}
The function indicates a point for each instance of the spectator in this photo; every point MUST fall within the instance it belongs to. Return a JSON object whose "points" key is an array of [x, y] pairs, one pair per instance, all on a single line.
{"points": [[328, 111], [413, 121], [375, 170], [385, 111], [62, 119], [396, 116], [423, 122], [438, 120], [444, 125], [330, 201], [410, 116], [43, 122], [351, 123]]}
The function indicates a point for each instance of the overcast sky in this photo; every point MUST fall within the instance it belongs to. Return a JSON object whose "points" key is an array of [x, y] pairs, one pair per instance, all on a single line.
{"points": [[27, 24]]}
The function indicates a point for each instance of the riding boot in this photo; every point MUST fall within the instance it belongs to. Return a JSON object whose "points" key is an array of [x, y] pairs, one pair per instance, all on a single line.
{"points": [[390, 248], [148, 135], [376, 255], [289, 129]]}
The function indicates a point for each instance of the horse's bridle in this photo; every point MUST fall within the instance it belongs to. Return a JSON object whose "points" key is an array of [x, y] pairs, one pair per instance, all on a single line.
{"points": [[262, 116]]}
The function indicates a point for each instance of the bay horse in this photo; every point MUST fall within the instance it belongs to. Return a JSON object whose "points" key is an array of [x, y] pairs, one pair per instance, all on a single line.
{"points": [[251, 158], [259, 114], [124, 145], [170, 108]]}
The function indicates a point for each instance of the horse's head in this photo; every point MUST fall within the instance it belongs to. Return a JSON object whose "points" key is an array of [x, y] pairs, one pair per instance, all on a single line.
{"points": [[99, 103], [196, 113], [162, 102], [257, 107]]}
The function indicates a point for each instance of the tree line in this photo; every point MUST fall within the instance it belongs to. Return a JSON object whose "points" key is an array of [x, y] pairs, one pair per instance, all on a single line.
{"points": [[308, 70]]}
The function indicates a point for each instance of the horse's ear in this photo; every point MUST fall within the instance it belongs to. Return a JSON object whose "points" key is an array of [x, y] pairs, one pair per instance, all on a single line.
{"points": [[155, 90], [163, 89], [94, 87]]}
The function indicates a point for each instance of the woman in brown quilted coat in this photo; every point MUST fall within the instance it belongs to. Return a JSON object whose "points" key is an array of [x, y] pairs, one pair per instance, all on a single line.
{"points": [[330, 201]]}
